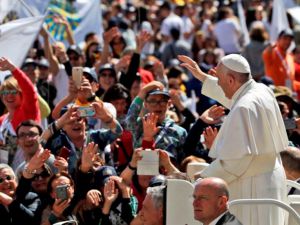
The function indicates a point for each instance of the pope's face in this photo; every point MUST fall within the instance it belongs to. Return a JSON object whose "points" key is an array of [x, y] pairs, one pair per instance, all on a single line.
{"points": [[224, 80]]}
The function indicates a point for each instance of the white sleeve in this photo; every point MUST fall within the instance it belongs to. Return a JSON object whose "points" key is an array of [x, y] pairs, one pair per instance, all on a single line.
{"points": [[211, 89]]}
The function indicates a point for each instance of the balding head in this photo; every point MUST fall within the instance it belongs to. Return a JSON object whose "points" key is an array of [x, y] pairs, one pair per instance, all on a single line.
{"points": [[216, 184], [210, 199]]}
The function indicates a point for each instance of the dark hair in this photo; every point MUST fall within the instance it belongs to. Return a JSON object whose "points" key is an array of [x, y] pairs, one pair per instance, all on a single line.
{"points": [[175, 33], [29, 123], [115, 92], [258, 34], [56, 176], [88, 36]]}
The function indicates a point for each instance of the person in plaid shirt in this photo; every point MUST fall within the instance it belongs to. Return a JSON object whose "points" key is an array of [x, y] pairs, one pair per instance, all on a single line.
{"points": [[166, 134]]}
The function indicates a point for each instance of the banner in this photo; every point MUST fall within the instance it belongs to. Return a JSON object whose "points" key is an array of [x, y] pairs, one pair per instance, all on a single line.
{"points": [[241, 14], [84, 16], [17, 37], [279, 20]]}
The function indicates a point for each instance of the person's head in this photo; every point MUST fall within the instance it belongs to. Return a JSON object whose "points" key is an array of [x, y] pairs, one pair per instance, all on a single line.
{"points": [[91, 76], [75, 55], [107, 76], [210, 199], [225, 12], [152, 212], [11, 94], [165, 10], [28, 133], [118, 44], [43, 66], [232, 72], [92, 53], [291, 162], [285, 39], [258, 33], [158, 102], [119, 96], [58, 180], [39, 181], [76, 129], [30, 68], [8, 182], [102, 176]]}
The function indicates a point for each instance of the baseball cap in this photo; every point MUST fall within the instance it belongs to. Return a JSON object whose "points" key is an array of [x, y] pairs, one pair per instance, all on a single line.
{"points": [[107, 66], [76, 49], [43, 63], [286, 33], [159, 92], [103, 174], [29, 61], [90, 73]]}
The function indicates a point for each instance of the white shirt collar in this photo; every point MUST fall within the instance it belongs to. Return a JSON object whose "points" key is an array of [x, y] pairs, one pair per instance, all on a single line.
{"points": [[214, 222], [240, 90]]}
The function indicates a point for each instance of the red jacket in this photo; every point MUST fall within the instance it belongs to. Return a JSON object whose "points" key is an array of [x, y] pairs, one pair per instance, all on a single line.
{"points": [[29, 108]]}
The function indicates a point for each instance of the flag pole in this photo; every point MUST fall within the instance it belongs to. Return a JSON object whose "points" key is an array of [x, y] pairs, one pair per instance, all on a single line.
{"points": [[32, 14]]}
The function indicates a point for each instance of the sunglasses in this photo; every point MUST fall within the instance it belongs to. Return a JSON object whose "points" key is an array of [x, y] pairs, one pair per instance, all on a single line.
{"points": [[42, 175], [8, 92], [8, 177]]}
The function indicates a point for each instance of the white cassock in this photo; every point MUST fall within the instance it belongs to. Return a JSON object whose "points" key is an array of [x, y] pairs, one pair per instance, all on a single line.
{"points": [[246, 150]]}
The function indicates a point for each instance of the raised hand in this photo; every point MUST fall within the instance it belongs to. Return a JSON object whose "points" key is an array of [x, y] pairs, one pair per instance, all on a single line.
{"points": [[59, 206], [110, 191], [5, 64], [88, 157], [192, 66], [150, 128], [149, 87], [101, 112], [125, 189], [209, 136], [61, 164], [109, 35], [213, 114], [142, 38], [94, 197]]}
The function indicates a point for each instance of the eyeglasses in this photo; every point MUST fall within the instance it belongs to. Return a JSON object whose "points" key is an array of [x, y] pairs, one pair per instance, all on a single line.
{"points": [[160, 103], [42, 175], [29, 134], [9, 92], [8, 177]]}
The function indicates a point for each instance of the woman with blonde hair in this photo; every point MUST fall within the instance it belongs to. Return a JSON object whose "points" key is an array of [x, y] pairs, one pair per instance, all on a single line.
{"points": [[21, 101]]}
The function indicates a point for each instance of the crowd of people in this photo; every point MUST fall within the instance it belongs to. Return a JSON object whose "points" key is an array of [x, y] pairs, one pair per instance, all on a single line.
{"points": [[169, 76]]}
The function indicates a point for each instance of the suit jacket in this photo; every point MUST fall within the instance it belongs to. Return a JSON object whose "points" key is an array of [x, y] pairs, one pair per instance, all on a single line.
{"points": [[228, 219]]}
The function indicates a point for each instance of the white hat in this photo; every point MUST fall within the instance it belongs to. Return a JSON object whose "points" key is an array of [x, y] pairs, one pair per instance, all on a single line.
{"points": [[236, 63]]}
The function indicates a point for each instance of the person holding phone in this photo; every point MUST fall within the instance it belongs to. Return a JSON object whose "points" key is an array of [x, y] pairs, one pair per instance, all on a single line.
{"points": [[246, 148], [61, 189]]}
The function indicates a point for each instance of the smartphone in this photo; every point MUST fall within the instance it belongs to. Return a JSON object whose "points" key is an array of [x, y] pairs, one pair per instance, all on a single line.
{"points": [[77, 73], [61, 192], [64, 152], [290, 124], [85, 111]]}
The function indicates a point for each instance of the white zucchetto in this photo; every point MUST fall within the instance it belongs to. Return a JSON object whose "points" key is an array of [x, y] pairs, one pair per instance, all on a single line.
{"points": [[236, 63]]}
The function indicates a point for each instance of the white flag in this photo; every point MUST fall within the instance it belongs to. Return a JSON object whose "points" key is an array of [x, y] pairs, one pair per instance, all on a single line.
{"points": [[5, 7], [295, 13], [246, 38], [17, 37], [84, 16], [279, 20], [28, 8]]}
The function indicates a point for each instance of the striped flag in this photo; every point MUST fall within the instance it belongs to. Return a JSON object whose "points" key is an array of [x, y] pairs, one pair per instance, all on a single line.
{"points": [[84, 16]]}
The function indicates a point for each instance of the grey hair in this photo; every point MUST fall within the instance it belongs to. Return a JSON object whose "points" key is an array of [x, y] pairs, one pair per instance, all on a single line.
{"points": [[241, 77], [157, 195], [5, 166]]}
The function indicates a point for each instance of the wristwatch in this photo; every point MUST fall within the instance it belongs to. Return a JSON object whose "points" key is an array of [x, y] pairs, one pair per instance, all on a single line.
{"points": [[27, 170]]}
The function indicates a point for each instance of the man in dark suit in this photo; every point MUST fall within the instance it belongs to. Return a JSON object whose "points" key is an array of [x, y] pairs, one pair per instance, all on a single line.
{"points": [[210, 203]]}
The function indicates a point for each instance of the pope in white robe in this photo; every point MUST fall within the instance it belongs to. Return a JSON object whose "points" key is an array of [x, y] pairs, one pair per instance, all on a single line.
{"points": [[246, 148]]}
